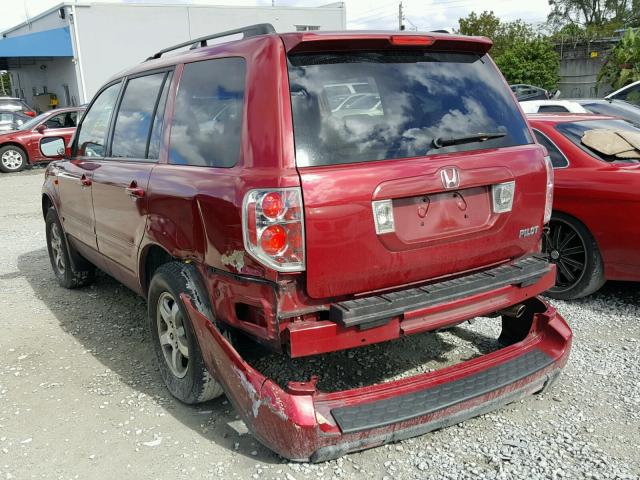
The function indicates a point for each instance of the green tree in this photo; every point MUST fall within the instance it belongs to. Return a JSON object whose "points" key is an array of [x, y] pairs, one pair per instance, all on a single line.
{"points": [[5, 84], [534, 62], [503, 34], [523, 55], [623, 63], [599, 15]]}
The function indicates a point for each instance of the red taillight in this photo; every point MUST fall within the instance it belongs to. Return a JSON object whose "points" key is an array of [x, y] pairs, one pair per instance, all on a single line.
{"points": [[412, 40], [272, 205], [273, 228], [30, 113], [273, 239]]}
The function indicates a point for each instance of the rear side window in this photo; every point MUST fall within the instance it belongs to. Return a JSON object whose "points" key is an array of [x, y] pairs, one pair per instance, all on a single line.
{"points": [[386, 105], [93, 131], [135, 116], [631, 95], [558, 160], [207, 119], [574, 131]]}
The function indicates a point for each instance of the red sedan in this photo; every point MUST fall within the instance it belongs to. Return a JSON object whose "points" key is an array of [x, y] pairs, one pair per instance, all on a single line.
{"points": [[594, 231], [21, 147]]}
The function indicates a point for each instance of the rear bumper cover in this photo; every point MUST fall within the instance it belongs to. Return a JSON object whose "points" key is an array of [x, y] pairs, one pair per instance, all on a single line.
{"points": [[304, 424]]}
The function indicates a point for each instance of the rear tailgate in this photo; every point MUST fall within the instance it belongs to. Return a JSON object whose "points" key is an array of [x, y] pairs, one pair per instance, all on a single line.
{"points": [[437, 231], [405, 149]]}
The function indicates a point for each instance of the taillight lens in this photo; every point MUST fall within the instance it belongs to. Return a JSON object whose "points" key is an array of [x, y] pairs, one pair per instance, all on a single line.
{"points": [[30, 113], [502, 195], [548, 205], [273, 228]]}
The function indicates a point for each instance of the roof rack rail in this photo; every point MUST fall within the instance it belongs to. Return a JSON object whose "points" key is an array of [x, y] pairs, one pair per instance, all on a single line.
{"points": [[250, 31]]}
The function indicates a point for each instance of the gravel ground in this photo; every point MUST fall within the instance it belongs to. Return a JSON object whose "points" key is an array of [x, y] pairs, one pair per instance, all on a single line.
{"points": [[80, 396]]}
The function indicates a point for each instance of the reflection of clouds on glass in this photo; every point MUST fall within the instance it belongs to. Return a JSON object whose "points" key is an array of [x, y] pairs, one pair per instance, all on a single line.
{"points": [[94, 126], [207, 120], [422, 97], [134, 116]]}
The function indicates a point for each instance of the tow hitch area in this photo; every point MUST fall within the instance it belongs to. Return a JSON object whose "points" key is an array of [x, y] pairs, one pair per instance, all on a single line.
{"points": [[301, 422]]}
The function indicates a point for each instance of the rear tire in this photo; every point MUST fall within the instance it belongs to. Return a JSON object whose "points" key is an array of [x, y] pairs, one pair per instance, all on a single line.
{"points": [[179, 358], [12, 159], [580, 269], [69, 275]]}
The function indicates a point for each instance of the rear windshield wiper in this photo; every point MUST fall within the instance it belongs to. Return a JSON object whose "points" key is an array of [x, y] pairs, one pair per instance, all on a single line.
{"points": [[442, 142]]}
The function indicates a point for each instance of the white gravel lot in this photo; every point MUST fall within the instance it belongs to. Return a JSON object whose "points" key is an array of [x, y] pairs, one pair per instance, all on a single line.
{"points": [[80, 396]]}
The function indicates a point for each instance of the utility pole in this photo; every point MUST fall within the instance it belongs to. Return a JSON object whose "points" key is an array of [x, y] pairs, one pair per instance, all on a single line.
{"points": [[400, 17]]}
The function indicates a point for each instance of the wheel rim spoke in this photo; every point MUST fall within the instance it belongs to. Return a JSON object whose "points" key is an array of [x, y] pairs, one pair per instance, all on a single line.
{"points": [[573, 263], [573, 251], [171, 335], [570, 236], [566, 272]]}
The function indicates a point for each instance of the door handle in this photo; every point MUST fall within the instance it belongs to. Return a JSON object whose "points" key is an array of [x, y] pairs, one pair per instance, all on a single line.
{"points": [[134, 191], [85, 181]]}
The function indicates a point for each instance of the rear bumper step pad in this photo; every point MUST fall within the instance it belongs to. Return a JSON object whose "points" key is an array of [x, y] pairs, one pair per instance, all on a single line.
{"points": [[373, 310], [423, 402]]}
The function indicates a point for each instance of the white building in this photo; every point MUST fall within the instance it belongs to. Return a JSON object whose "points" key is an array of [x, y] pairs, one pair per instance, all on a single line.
{"points": [[72, 49]]}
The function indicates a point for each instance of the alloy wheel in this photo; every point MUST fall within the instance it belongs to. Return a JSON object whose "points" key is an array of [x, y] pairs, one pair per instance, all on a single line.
{"points": [[172, 335], [566, 248], [12, 159], [56, 249]]}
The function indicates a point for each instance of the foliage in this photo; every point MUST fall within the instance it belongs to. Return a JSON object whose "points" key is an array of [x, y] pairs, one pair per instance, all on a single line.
{"points": [[623, 63], [503, 34], [523, 55], [601, 15], [534, 62], [5, 84]]}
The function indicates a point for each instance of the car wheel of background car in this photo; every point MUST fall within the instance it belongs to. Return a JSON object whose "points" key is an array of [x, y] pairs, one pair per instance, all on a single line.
{"points": [[179, 358], [69, 274], [570, 245], [12, 159]]}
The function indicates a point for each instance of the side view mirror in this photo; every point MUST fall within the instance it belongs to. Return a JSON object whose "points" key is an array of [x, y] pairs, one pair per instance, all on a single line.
{"points": [[52, 147], [41, 128]]}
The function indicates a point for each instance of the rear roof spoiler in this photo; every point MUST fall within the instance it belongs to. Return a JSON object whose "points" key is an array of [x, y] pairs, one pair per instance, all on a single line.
{"points": [[308, 42]]}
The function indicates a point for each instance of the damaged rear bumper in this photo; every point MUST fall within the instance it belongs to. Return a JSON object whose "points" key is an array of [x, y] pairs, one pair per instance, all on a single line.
{"points": [[304, 424]]}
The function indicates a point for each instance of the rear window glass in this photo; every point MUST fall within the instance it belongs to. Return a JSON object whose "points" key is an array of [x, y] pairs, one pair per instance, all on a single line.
{"points": [[574, 131], [207, 122], [386, 105]]}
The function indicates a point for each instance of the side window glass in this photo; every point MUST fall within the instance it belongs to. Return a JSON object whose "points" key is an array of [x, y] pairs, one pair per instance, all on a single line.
{"points": [[158, 121], [93, 131], [63, 120], [207, 120], [558, 160], [133, 121]]}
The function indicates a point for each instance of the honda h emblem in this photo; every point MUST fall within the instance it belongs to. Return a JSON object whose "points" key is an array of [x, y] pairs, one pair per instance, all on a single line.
{"points": [[450, 177]]}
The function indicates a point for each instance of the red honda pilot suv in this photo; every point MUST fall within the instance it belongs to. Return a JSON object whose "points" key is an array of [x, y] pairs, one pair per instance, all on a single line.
{"points": [[242, 192]]}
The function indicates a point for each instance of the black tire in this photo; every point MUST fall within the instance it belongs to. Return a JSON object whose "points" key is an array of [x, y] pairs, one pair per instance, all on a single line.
{"points": [[69, 274], [186, 378], [570, 245], [12, 159]]}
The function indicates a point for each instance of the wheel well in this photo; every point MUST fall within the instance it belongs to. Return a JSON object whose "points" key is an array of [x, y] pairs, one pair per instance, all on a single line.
{"points": [[46, 205], [21, 147], [155, 256]]}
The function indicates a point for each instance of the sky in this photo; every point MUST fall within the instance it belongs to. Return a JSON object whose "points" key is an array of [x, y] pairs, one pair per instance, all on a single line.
{"points": [[361, 14]]}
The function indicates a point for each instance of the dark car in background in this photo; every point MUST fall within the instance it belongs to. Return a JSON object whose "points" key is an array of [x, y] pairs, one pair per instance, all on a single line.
{"points": [[524, 92], [12, 104], [21, 147], [612, 107]]}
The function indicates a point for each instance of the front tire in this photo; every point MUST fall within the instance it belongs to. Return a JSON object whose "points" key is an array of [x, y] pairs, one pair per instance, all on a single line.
{"points": [[179, 358], [69, 275], [580, 269], [12, 159]]}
